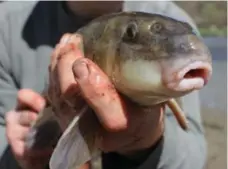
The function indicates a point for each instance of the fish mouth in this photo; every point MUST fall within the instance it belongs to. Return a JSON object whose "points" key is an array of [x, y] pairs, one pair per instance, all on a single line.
{"points": [[194, 76]]}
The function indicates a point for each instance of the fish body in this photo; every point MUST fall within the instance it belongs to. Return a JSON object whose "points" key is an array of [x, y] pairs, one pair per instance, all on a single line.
{"points": [[143, 55], [149, 58]]}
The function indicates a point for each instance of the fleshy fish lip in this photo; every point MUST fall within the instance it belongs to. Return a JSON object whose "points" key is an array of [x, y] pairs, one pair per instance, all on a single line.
{"points": [[180, 83], [206, 67]]}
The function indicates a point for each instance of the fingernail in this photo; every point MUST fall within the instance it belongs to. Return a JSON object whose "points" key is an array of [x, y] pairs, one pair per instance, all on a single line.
{"points": [[80, 70], [64, 39]]}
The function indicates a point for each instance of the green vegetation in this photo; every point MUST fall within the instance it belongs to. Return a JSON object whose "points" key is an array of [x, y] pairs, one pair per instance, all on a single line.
{"points": [[210, 16], [213, 31]]}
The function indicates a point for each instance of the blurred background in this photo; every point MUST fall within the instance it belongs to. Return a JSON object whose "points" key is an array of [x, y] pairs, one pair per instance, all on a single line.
{"points": [[211, 19]]}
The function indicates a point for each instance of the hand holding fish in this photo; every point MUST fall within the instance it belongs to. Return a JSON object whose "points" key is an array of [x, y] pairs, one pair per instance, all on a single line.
{"points": [[125, 127]]}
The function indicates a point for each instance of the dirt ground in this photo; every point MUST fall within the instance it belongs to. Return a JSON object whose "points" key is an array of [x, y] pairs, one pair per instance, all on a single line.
{"points": [[214, 115], [216, 130]]}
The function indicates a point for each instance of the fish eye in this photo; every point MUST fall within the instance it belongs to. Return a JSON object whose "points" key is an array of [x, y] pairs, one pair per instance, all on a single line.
{"points": [[131, 31], [156, 27]]}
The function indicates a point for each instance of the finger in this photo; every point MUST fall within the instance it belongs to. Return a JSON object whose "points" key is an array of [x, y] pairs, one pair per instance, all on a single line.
{"points": [[28, 99], [57, 49], [100, 94], [19, 133], [14, 130], [54, 57], [68, 54], [26, 118], [15, 120]]}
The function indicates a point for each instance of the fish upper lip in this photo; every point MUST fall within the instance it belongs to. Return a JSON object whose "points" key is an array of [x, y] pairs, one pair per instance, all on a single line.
{"points": [[195, 65], [178, 77]]}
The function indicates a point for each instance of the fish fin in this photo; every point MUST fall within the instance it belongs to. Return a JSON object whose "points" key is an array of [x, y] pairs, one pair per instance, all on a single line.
{"points": [[178, 113], [72, 150]]}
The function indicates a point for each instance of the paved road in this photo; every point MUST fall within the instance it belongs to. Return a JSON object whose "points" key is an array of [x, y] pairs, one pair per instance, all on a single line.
{"points": [[214, 95]]}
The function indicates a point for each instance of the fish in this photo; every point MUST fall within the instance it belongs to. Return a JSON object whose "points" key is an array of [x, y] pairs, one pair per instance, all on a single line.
{"points": [[149, 58]]}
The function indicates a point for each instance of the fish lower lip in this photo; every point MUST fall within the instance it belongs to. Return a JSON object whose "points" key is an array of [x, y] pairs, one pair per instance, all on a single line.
{"points": [[192, 77]]}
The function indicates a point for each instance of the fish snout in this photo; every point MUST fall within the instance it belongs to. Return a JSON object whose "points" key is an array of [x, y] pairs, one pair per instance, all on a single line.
{"points": [[193, 76], [189, 66]]}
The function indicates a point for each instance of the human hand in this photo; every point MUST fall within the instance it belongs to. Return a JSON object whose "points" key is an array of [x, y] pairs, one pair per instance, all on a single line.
{"points": [[18, 124], [126, 127]]}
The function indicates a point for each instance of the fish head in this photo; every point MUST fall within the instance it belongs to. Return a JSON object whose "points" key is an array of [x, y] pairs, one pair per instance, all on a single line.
{"points": [[149, 57]]}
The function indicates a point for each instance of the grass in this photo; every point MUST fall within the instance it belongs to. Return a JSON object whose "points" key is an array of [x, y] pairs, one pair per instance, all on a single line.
{"points": [[213, 32], [210, 16]]}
